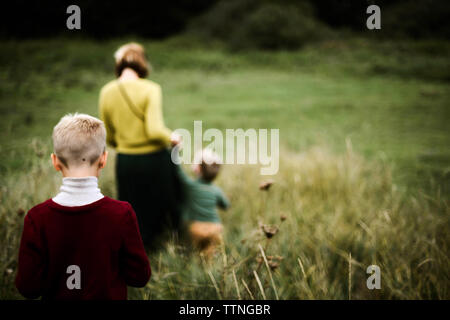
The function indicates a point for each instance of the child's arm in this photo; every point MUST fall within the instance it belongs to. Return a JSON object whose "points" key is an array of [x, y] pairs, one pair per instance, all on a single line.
{"points": [[31, 269], [222, 200], [184, 178], [134, 263]]}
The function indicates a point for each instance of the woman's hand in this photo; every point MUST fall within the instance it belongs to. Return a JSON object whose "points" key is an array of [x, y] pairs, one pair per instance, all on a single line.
{"points": [[175, 139]]}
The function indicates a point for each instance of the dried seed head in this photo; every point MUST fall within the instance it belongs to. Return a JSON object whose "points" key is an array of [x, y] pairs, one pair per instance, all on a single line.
{"points": [[269, 230], [20, 212], [265, 185], [273, 265], [283, 217]]}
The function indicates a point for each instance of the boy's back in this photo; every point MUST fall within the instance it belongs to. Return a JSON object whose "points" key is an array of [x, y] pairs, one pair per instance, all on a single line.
{"points": [[87, 252], [202, 198]]}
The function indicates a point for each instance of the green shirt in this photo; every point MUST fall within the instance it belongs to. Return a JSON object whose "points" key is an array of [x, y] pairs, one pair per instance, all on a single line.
{"points": [[201, 199]]}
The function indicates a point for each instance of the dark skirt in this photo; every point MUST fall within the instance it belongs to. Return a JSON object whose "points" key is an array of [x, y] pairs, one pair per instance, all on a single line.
{"points": [[150, 184]]}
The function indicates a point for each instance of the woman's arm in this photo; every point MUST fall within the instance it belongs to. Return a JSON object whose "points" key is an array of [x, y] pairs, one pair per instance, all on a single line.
{"points": [[105, 117], [154, 122]]}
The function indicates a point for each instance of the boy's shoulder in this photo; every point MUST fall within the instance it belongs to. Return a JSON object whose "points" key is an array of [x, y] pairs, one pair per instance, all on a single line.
{"points": [[119, 206], [216, 188], [39, 208], [210, 188], [106, 203]]}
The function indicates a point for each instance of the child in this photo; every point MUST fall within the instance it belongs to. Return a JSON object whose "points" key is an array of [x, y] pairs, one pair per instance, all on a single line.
{"points": [[201, 200], [80, 244]]}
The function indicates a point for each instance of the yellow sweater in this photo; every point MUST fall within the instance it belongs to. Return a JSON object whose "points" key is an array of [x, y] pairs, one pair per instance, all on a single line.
{"points": [[125, 131]]}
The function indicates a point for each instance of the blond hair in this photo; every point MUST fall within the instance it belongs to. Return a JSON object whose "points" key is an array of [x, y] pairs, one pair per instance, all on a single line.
{"points": [[79, 139], [132, 55]]}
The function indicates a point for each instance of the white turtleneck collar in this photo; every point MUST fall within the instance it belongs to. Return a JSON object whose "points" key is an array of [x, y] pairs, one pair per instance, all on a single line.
{"points": [[76, 192]]}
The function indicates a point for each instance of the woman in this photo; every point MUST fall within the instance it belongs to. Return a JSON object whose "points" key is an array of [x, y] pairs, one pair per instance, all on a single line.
{"points": [[131, 110]]}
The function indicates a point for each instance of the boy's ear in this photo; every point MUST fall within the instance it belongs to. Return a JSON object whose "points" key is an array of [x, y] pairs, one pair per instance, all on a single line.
{"points": [[55, 161], [103, 160]]}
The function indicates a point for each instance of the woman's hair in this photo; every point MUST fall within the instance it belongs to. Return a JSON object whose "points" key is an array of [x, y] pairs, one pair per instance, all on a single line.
{"points": [[132, 55]]}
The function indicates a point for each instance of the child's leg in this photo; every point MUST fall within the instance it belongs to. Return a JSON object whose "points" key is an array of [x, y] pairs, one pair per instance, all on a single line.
{"points": [[206, 236], [214, 242]]}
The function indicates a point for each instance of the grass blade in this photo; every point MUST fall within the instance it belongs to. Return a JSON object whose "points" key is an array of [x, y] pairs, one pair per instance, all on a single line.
{"points": [[215, 284], [270, 272], [349, 276], [260, 285], [248, 290], [236, 284], [301, 267]]}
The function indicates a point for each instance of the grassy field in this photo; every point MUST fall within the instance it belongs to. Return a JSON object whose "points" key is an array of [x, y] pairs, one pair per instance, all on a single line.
{"points": [[364, 171]]}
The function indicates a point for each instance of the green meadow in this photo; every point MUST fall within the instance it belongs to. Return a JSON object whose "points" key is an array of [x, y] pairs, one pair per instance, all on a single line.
{"points": [[364, 172]]}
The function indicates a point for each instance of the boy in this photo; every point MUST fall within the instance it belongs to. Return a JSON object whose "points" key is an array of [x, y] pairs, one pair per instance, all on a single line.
{"points": [[80, 244], [201, 200]]}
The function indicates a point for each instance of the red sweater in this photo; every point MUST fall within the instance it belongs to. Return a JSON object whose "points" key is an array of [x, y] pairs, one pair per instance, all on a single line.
{"points": [[87, 252]]}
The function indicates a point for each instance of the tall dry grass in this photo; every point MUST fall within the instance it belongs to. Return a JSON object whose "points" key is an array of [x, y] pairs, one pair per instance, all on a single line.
{"points": [[324, 215]]}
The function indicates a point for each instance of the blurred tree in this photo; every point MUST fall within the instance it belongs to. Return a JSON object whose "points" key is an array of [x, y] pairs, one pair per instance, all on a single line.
{"points": [[100, 19], [422, 18], [272, 26], [265, 24], [269, 24], [418, 19]]}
